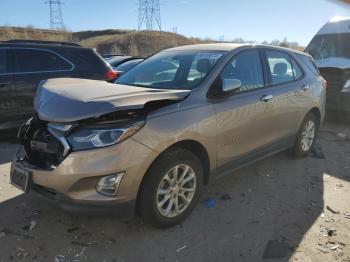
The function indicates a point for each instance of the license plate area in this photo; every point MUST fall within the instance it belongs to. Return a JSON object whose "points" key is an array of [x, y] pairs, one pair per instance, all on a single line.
{"points": [[21, 179]]}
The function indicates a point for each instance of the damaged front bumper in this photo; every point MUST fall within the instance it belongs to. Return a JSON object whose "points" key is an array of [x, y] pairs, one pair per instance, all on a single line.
{"points": [[72, 183]]}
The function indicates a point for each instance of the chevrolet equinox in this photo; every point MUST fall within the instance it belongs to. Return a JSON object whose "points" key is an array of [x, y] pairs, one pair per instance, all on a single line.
{"points": [[178, 120]]}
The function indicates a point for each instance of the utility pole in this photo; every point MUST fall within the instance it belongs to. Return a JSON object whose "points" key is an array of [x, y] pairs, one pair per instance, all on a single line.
{"points": [[56, 19], [149, 14]]}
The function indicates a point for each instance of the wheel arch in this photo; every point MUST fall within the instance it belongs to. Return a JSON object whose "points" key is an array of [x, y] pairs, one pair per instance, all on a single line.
{"points": [[317, 113], [194, 147]]}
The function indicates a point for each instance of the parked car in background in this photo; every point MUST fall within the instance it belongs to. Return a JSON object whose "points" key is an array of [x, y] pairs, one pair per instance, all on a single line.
{"points": [[116, 61], [331, 50], [109, 56], [24, 63], [126, 66], [178, 120]]}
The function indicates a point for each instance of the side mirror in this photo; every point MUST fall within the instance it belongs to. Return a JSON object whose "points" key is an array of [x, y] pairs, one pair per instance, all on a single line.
{"points": [[230, 85]]}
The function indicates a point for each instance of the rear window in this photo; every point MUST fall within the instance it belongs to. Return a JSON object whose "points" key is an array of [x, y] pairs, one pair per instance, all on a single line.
{"points": [[310, 64], [87, 59], [32, 60], [3, 64]]}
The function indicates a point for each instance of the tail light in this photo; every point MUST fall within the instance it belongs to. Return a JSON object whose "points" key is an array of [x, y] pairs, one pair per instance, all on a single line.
{"points": [[325, 83], [111, 74]]}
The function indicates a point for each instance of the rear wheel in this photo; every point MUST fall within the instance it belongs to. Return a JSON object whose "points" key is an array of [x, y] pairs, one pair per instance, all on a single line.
{"points": [[306, 136], [171, 188]]}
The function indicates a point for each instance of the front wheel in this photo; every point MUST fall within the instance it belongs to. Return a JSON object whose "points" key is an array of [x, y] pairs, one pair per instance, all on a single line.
{"points": [[171, 188], [306, 136]]}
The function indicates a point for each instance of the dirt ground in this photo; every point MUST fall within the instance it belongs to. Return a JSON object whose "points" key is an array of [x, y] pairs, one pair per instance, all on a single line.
{"points": [[297, 209]]}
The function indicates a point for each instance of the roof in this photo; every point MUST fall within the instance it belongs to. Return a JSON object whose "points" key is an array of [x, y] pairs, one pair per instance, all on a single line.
{"points": [[229, 47], [336, 25], [38, 45]]}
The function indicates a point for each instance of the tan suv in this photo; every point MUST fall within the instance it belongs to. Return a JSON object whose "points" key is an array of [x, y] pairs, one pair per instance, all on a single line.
{"points": [[181, 118]]}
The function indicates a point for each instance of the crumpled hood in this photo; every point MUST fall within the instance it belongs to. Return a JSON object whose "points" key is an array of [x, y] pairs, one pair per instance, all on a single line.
{"points": [[71, 99]]}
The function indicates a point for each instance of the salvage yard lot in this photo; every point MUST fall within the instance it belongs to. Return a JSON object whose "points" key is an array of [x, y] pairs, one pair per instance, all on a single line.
{"points": [[301, 207]]}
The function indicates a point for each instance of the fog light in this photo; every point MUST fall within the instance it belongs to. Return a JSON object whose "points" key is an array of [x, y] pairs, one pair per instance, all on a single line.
{"points": [[109, 185]]}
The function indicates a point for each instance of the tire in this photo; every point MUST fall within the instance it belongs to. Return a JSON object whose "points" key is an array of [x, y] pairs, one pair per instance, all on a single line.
{"points": [[160, 179], [301, 147]]}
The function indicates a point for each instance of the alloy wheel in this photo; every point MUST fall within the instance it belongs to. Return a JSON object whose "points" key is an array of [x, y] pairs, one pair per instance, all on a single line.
{"points": [[176, 190], [308, 135]]}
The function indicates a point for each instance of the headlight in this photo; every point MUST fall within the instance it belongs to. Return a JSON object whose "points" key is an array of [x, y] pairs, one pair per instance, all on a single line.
{"points": [[100, 137], [346, 87]]}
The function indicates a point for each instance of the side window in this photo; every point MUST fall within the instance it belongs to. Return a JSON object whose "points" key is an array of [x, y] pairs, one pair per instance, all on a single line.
{"points": [[296, 70], [280, 67], [309, 62], [3, 61], [246, 67], [32, 60]]}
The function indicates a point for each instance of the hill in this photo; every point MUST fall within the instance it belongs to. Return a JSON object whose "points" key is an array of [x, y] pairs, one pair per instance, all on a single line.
{"points": [[118, 41], [136, 43]]}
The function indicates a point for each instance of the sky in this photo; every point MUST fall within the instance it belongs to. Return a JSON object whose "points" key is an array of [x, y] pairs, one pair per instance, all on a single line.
{"points": [[297, 20]]}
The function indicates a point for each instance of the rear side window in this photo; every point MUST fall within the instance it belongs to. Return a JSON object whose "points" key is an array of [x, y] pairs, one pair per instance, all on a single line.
{"points": [[296, 70], [246, 67], [280, 66], [3, 63], [310, 64], [33, 60]]}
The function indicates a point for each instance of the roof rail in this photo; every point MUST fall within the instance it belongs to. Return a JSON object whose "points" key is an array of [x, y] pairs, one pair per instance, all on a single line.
{"points": [[24, 41]]}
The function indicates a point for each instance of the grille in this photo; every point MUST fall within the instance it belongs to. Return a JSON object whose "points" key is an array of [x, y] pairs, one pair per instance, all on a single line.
{"points": [[41, 148], [335, 81], [335, 78]]}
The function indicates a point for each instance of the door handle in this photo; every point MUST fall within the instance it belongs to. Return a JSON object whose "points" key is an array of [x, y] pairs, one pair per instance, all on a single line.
{"points": [[266, 98], [305, 87]]}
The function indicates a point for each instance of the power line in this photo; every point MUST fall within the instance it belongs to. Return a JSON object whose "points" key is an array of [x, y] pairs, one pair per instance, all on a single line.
{"points": [[149, 14], [56, 19]]}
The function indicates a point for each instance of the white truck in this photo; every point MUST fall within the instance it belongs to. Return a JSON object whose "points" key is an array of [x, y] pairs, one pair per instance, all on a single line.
{"points": [[330, 48]]}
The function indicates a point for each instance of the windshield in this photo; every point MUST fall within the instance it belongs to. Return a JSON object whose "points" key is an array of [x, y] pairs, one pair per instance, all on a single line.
{"points": [[172, 70], [329, 45]]}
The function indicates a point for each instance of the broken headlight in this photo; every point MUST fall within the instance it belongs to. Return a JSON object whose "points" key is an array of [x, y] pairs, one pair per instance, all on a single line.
{"points": [[89, 138]]}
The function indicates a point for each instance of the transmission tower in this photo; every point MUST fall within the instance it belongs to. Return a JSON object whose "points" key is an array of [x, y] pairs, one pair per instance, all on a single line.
{"points": [[56, 19], [149, 14]]}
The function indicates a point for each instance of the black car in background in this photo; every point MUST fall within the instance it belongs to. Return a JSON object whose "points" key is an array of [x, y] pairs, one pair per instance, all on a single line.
{"points": [[24, 63], [116, 61], [126, 66]]}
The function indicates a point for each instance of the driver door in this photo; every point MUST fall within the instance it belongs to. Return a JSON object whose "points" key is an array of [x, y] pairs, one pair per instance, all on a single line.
{"points": [[242, 118]]}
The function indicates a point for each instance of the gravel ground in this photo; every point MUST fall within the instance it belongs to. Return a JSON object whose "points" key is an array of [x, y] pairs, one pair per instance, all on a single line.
{"points": [[297, 209]]}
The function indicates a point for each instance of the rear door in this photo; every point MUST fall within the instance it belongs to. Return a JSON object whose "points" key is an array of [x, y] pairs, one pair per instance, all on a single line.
{"points": [[31, 66], [7, 96], [285, 81]]}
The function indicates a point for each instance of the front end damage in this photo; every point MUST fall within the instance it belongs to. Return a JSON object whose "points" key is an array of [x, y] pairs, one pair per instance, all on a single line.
{"points": [[338, 93], [90, 159], [87, 109], [46, 144]]}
